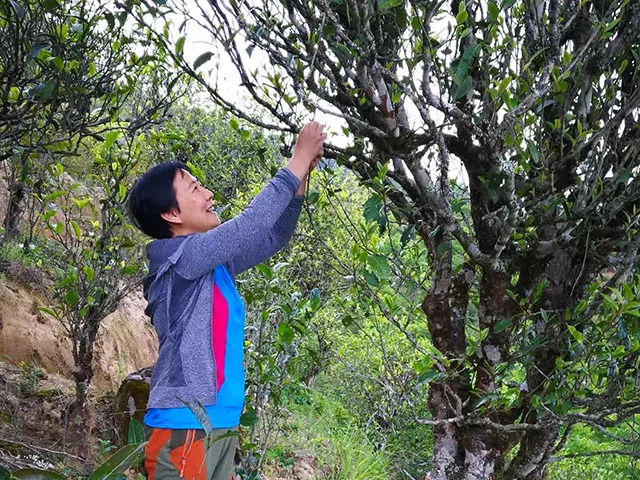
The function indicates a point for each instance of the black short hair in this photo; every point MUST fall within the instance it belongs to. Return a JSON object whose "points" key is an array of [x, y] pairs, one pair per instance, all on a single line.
{"points": [[152, 195]]}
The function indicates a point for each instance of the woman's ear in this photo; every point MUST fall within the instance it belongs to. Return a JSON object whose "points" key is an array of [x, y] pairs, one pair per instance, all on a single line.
{"points": [[172, 216]]}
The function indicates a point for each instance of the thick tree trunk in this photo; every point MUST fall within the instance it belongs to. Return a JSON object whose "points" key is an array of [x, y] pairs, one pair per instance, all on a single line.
{"points": [[82, 420], [484, 453], [448, 454], [533, 455], [14, 211], [82, 377], [445, 306], [464, 452]]}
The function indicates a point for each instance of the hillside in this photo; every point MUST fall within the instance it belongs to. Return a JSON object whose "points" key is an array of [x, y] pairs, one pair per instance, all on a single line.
{"points": [[126, 341]]}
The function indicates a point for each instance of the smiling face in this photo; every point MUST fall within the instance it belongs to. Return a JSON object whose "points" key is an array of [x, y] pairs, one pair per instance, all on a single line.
{"points": [[195, 213]]}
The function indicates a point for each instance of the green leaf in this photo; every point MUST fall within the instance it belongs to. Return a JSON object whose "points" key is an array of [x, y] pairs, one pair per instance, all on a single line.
{"points": [[428, 376], [504, 84], [462, 90], [380, 266], [59, 228], [266, 271], [494, 12], [342, 52], [57, 62], [612, 24], [52, 196], [533, 150], [180, 46], [575, 333], [313, 197], [89, 272], [51, 4], [81, 203], [14, 94], [371, 279], [129, 270], [202, 59], [347, 320], [372, 208], [119, 462], [233, 123], [76, 229], [48, 311], [512, 295], [136, 432], [197, 408], [44, 91], [464, 63], [72, 297], [502, 325], [461, 17], [249, 418], [35, 474], [174, 136], [110, 138], [623, 66], [285, 332]]}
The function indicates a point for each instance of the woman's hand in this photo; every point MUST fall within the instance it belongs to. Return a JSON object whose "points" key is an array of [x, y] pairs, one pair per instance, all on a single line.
{"points": [[308, 150], [305, 180]]}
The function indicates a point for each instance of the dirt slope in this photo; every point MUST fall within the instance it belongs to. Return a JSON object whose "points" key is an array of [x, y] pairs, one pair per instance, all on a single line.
{"points": [[126, 341]]}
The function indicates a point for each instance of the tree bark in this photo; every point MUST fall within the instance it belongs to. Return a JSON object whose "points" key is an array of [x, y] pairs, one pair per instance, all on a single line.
{"points": [[445, 306], [83, 358], [14, 211]]}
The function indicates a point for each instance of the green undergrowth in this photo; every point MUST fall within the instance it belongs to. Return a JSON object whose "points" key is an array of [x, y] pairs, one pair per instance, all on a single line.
{"points": [[320, 427], [609, 467]]}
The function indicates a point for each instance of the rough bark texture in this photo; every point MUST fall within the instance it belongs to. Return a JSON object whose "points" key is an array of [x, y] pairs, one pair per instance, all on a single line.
{"points": [[14, 211]]}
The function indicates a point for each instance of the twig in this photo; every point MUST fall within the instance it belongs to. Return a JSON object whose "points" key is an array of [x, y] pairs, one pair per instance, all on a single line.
{"points": [[594, 454], [42, 449]]}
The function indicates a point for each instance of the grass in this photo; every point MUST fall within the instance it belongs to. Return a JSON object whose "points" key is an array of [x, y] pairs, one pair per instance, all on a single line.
{"points": [[323, 429], [39, 253], [609, 467]]}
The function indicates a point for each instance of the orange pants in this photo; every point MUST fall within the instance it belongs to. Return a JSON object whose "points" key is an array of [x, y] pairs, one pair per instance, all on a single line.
{"points": [[173, 454]]}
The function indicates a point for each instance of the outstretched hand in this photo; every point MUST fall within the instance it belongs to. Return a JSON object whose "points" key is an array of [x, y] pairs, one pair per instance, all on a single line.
{"points": [[308, 150]]}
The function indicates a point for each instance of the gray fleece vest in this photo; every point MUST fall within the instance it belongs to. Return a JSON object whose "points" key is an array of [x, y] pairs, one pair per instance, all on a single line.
{"points": [[180, 284]]}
